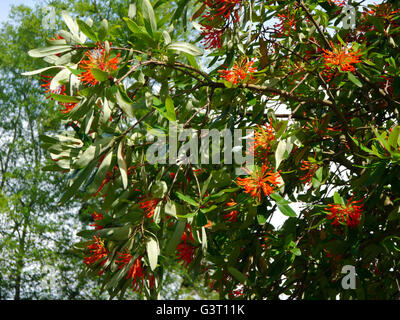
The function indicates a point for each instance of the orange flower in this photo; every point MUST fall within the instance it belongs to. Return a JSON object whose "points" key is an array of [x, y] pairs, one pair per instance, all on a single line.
{"points": [[98, 251], [311, 168], [97, 58], [261, 180], [231, 216], [149, 206], [349, 214], [262, 140], [239, 72], [342, 59], [339, 3], [96, 217], [286, 25]]}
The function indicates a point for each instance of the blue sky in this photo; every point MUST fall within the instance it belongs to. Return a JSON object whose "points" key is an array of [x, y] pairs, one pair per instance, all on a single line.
{"points": [[6, 4]]}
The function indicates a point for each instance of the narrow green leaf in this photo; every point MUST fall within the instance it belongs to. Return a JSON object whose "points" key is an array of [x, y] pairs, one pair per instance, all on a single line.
{"points": [[87, 31], [153, 252], [185, 47], [122, 164]]}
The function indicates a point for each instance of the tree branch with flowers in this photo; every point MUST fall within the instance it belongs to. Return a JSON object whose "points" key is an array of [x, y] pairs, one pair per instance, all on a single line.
{"points": [[328, 167]]}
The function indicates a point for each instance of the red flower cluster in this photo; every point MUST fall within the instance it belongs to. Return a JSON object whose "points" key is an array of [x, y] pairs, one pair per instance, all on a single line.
{"points": [[239, 72], [349, 214], [136, 271], [286, 25], [340, 59], [261, 181], [225, 10], [311, 168], [232, 215], [339, 3], [96, 217], [68, 106], [99, 252], [149, 206], [262, 140], [186, 249], [97, 58]]}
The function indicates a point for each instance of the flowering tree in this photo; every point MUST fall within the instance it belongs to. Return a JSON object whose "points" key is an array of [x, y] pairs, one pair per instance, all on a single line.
{"points": [[134, 87]]}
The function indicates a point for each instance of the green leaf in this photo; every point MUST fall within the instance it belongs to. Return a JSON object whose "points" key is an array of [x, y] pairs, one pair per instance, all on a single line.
{"points": [[169, 105], [103, 30], [64, 98], [353, 79], [48, 51], [176, 237], [393, 137], [148, 14], [185, 47], [99, 75], [187, 199], [87, 31], [237, 275], [337, 198], [122, 164], [153, 252], [279, 153], [33, 72], [159, 189]]}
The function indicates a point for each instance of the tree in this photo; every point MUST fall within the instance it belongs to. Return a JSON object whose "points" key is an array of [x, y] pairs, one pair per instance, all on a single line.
{"points": [[154, 202]]}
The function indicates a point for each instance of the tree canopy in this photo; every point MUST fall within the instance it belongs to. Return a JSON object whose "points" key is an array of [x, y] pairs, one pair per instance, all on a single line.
{"points": [[188, 125]]}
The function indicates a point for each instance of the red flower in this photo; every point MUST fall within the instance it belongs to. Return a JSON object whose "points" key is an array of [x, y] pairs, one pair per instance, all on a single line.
{"points": [[339, 3], [349, 214], [136, 272], [286, 25], [98, 251], [186, 249], [231, 216], [149, 206], [212, 37], [311, 168], [96, 217], [341, 58], [261, 180], [97, 58], [239, 72], [186, 253], [262, 140], [228, 9]]}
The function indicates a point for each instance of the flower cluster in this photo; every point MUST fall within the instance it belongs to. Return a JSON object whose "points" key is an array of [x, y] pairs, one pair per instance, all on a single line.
{"points": [[186, 249], [136, 272], [97, 59], [287, 23], [98, 253], [349, 214], [261, 180], [232, 215], [96, 217], [310, 169], [239, 72], [260, 144], [149, 206], [220, 15], [340, 59]]}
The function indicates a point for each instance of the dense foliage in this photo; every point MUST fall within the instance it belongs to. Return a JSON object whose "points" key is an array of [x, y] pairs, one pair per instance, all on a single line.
{"points": [[335, 152]]}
